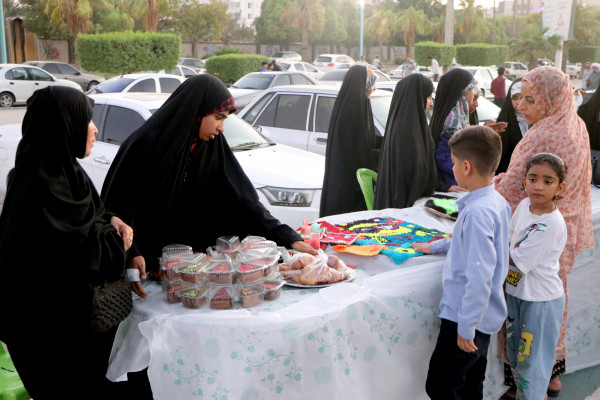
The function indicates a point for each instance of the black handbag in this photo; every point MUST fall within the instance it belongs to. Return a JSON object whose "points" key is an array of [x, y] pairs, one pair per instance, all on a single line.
{"points": [[596, 168], [111, 304]]}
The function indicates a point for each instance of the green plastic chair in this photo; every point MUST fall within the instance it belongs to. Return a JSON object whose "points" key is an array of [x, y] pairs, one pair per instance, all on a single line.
{"points": [[366, 179], [11, 387]]}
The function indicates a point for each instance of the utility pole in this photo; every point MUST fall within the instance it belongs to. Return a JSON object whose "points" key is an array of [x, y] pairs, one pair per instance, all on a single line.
{"points": [[3, 59], [449, 28]]}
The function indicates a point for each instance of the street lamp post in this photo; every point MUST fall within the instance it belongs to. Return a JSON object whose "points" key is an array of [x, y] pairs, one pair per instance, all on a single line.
{"points": [[3, 59], [362, 21]]}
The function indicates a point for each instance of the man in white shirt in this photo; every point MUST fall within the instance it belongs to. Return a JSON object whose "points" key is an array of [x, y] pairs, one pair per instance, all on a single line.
{"points": [[435, 68], [585, 76], [377, 62]]}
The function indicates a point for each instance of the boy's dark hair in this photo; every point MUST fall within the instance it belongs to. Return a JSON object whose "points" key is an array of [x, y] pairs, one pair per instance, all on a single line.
{"points": [[263, 63], [479, 144], [501, 71], [553, 161], [429, 57]]}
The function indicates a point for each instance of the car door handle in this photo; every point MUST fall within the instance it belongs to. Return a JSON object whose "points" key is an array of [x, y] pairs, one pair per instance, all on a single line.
{"points": [[36, 84], [322, 140], [11, 83], [102, 160]]}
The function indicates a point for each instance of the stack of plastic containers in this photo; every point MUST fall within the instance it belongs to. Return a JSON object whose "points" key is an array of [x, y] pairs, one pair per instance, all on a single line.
{"points": [[246, 271]]}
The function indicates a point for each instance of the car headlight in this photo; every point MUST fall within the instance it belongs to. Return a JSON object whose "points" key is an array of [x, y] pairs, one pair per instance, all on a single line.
{"points": [[285, 197]]}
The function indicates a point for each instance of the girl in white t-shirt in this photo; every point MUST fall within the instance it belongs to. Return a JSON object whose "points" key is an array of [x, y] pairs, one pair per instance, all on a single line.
{"points": [[535, 294]]}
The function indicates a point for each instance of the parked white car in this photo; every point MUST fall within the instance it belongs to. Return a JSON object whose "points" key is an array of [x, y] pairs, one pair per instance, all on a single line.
{"points": [[18, 82], [288, 180], [484, 77], [148, 82], [250, 85], [286, 56], [336, 77], [514, 70], [299, 66], [325, 62], [299, 116], [179, 70]]}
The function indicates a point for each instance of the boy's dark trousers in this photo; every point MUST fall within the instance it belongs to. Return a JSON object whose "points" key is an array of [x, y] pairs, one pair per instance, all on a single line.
{"points": [[453, 373]]}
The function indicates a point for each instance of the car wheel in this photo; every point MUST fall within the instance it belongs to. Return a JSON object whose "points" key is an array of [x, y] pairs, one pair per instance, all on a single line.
{"points": [[6, 100], [92, 85]]}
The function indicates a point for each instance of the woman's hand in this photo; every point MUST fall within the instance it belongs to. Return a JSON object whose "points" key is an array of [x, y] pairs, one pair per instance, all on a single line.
{"points": [[140, 264], [496, 180], [456, 189], [497, 126], [125, 231], [304, 247]]}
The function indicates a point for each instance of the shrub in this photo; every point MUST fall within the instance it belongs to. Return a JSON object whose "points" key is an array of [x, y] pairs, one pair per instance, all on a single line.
{"points": [[231, 67], [443, 53], [126, 52], [582, 54], [228, 50], [481, 54]]}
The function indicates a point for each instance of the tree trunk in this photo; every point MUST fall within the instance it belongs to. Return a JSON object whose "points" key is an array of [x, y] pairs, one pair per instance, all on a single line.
{"points": [[71, 46], [380, 48], [514, 20], [304, 46], [449, 27], [194, 48], [532, 64]]}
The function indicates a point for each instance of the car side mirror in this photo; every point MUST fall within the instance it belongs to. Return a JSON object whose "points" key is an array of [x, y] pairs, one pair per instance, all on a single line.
{"points": [[77, 73]]}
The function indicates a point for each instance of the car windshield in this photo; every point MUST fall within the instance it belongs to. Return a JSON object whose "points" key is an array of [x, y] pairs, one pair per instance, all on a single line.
{"points": [[284, 65], [241, 136], [381, 108], [254, 81], [115, 85], [279, 54], [335, 75], [323, 59]]}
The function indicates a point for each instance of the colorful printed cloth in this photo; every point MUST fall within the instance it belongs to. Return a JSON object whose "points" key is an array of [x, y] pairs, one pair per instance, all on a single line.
{"points": [[395, 234]]}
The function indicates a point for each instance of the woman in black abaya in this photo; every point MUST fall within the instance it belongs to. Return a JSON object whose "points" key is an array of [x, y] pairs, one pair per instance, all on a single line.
{"points": [[351, 144], [450, 114], [175, 180], [590, 114], [407, 168], [516, 124], [56, 240]]}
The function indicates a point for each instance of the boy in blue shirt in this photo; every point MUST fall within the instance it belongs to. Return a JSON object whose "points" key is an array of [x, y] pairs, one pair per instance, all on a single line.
{"points": [[472, 306]]}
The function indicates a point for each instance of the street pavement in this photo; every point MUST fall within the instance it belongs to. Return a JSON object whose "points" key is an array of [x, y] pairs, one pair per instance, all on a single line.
{"points": [[12, 115]]}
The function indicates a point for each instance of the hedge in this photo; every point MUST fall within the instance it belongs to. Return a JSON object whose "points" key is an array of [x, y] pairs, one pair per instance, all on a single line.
{"points": [[481, 54], [443, 53], [583, 54], [127, 52], [231, 67]]}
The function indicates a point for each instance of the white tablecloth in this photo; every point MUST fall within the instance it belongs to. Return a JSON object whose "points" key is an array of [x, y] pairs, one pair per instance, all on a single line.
{"points": [[371, 338]]}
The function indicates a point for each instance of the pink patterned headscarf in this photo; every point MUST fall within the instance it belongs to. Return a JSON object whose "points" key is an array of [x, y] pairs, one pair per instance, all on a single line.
{"points": [[563, 133]]}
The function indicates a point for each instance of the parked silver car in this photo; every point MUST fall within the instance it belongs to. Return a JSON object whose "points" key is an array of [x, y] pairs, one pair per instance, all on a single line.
{"points": [[299, 116], [67, 71], [142, 82]]}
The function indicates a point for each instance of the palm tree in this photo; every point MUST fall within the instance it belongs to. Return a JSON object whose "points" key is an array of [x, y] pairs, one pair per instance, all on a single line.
{"points": [[411, 21], [532, 45], [147, 11], [468, 18], [436, 27], [380, 26], [304, 15], [75, 14]]}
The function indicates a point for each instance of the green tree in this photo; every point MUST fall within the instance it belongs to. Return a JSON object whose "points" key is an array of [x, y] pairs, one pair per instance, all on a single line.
{"points": [[531, 45], [335, 22], [236, 29], [147, 11], [587, 30], [268, 24], [436, 28], [201, 22], [351, 15], [380, 26], [410, 22], [468, 18], [304, 15]]}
